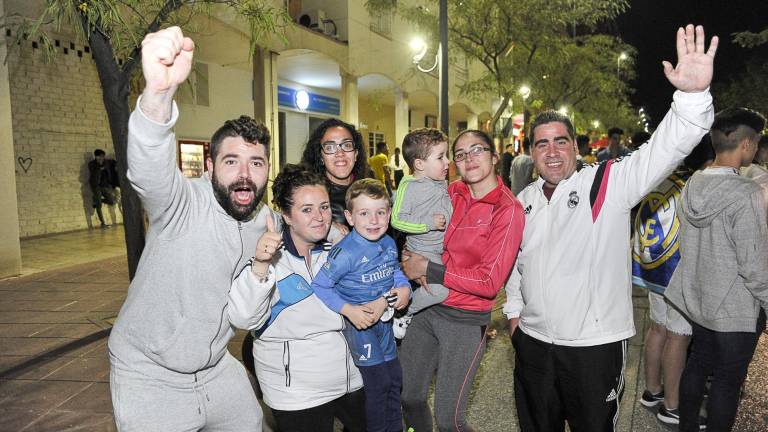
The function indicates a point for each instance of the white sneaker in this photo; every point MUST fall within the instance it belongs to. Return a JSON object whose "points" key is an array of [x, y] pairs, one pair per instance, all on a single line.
{"points": [[400, 325], [388, 314]]}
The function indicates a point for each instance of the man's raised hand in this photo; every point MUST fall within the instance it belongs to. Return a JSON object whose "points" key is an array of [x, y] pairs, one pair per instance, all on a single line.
{"points": [[693, 72], [166, 59]]}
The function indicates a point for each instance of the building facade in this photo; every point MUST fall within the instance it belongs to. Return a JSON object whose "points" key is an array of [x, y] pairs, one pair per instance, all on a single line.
{"points": [[337, 60]]}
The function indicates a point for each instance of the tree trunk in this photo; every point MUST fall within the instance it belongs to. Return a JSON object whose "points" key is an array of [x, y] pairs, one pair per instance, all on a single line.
{"points": [[497, 115], [115, 87]]}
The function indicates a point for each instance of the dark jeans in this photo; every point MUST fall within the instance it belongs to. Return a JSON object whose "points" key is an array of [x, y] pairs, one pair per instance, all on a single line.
{"points": [[725, 356], [349, 409], [382, 384]]}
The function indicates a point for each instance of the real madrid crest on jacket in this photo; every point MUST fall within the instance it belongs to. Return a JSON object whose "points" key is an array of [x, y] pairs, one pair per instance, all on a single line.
{"points": [[655, 251]]}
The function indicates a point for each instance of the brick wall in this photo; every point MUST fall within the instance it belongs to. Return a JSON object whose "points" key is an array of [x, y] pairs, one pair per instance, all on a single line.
{"points": [[58, 120]]}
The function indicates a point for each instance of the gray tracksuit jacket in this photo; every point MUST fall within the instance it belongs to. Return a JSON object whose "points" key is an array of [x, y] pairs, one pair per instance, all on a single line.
{"points": [[175, 315], [417, 200], [722, 278]]}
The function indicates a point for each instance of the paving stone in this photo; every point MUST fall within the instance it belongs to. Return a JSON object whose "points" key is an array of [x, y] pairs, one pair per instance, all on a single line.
{"points": [[38, 394], [72, 331], [22, 330], [29, 346], [94, 399], [71, 421], [86, 369]]}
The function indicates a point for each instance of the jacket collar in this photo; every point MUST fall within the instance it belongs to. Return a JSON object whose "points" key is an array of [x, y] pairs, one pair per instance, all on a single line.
{"points": [[491, 197], [560, 186], [290, 246]]}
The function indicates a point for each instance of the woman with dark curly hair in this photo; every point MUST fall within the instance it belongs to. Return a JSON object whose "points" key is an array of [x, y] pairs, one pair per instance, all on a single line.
{"points": [[336, 151], [301, 359]]}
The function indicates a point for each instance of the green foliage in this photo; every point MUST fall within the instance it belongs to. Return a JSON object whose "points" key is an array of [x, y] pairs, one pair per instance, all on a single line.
{"points": [[750, 40], [124, 23], [748, 89], [582, 75], [535, 43]]}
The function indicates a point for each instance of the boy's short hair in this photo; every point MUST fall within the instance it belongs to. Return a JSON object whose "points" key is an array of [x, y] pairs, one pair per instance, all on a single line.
{"points": [[418, 142], [371, 188], [728, 130]]}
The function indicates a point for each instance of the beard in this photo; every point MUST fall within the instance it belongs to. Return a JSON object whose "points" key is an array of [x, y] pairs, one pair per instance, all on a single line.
{"points": [[223, 194]]}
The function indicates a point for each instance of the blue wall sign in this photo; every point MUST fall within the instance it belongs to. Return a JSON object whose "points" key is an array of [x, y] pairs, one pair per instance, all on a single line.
{"points": [[286, 97]]}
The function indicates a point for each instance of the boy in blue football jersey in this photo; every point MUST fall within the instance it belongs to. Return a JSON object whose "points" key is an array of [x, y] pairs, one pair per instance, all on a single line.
{"points": [[361, 270]]}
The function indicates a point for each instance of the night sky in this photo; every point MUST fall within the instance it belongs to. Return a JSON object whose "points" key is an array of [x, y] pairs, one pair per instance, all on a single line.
{"points": [[650, 26]]}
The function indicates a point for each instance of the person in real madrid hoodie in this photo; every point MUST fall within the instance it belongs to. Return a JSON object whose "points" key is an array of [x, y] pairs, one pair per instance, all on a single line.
{"points": [[721, 281], [569, 300], [169, 365]]}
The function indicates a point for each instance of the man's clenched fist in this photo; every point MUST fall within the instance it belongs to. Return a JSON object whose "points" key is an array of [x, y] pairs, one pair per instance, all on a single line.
{"points": [[166, 59]]}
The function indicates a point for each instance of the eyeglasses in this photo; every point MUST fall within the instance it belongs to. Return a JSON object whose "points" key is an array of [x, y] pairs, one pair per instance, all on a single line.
{"points": [[474, 151], [331, 147]]}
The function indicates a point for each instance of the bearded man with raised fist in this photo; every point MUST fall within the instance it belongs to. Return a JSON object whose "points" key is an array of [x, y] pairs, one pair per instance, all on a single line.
{"points": [[170, 369]]}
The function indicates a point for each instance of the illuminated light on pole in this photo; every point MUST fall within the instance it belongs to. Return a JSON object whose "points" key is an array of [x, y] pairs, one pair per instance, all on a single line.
{"points": [[525, 91], [623, 56]]}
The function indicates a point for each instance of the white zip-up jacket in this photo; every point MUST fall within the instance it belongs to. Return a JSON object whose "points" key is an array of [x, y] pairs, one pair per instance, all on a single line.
{"points": [[571, 284], [301, 357]]}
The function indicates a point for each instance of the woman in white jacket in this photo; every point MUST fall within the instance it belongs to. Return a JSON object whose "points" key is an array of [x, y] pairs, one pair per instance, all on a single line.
{"points": [[301, 357]]}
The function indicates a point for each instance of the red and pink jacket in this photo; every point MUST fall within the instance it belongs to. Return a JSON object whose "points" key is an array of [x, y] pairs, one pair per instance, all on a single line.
{"points": [[481, 244]]}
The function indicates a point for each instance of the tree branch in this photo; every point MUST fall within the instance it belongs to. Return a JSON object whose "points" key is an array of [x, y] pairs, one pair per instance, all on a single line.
{"points": [[135, 11], [162, 16]]}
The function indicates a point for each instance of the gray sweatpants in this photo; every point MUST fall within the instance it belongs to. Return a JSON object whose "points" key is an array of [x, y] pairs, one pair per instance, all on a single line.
{"points": [[421, 298], [454, 351], [216, 399]]}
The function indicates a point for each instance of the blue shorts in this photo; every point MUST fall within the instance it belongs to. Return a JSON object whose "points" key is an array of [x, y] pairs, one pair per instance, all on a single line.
{"points": [[372, 346]]}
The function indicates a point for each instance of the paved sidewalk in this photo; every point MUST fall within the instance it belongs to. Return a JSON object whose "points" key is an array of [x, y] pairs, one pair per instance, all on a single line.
{"points": [[54, 370]]}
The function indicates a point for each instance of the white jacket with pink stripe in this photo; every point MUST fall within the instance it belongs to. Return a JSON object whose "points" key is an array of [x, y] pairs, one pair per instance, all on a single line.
{"points": [[572, 282]]}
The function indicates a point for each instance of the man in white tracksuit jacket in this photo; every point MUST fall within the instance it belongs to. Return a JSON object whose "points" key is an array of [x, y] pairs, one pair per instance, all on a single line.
{"points": [[570, 290]]}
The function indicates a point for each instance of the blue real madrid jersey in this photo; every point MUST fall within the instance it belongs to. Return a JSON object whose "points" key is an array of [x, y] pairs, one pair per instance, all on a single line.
{"points": [[655, 249], [359, 271]]}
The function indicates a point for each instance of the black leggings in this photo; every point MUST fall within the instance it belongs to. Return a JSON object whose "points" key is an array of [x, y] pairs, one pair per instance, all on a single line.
{"points": [[349, 409]]}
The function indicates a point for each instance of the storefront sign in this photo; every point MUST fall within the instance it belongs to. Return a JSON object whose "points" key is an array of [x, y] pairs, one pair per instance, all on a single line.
{"points": [[295, 99]]}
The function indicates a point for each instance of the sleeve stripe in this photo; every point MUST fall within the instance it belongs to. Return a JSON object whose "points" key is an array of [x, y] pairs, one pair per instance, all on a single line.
{"points": [[599, 188], [397, 223]]}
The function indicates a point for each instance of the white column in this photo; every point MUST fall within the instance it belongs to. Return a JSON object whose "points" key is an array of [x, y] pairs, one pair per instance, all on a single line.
{"points": [[349, 99], [10, 247], [265, 106], [401, 117], [471, 121]]}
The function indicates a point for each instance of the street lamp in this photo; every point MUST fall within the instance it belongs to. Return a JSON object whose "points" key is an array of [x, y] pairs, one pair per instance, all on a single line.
{"points": [[525, 91], [563, 110], [441, 60], [619, 59], [596, 124], [420, 48]]}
